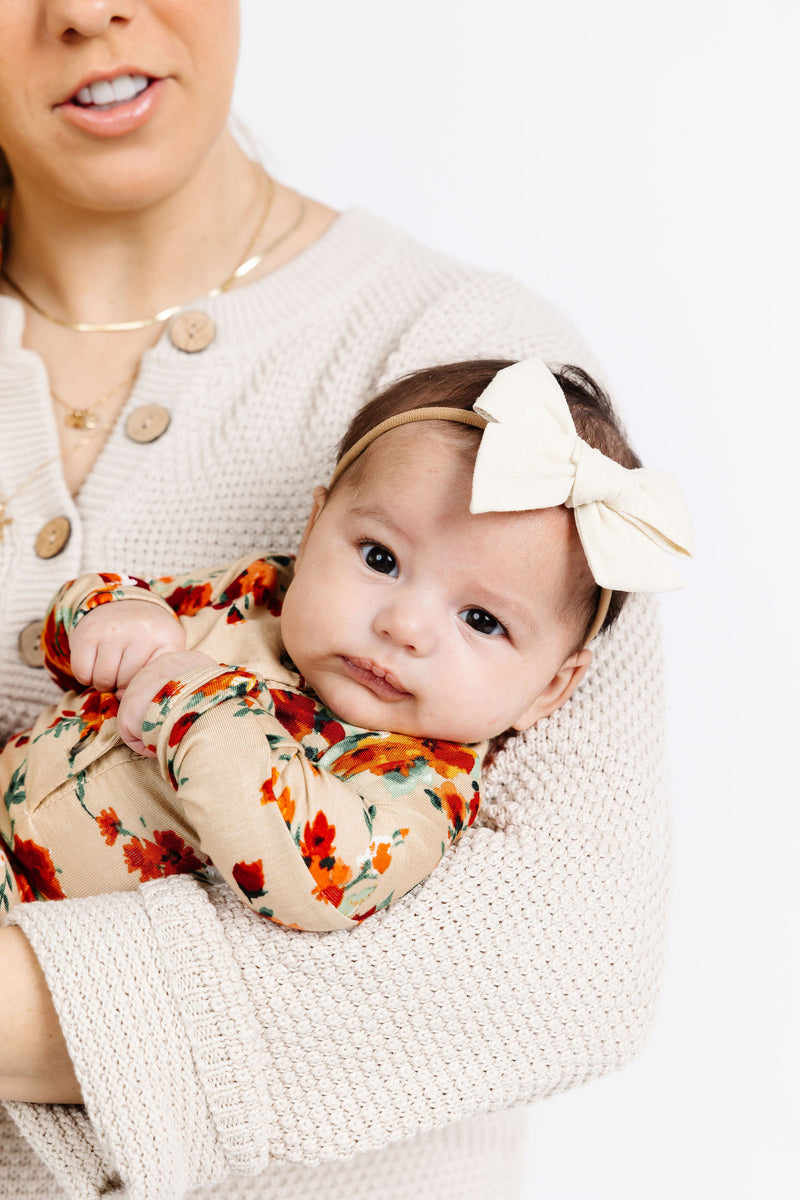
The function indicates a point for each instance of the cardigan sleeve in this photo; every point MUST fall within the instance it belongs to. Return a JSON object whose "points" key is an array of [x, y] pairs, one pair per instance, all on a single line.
{"points": [[529, 961]]}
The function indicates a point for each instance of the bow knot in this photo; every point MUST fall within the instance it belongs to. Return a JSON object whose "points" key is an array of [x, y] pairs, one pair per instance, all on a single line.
{"points": [[531, 457], [597, 478]]}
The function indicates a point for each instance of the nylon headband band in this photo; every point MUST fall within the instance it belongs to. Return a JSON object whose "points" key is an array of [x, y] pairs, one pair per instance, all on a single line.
{"points": [[460, 416]]}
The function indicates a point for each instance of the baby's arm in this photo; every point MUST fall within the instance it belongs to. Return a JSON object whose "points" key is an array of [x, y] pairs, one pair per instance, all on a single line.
{"points": [[313, 840]]}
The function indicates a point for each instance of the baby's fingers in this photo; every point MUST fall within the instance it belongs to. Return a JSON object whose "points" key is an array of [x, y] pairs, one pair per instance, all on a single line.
{"points": [[83, 652], [105, 669]]}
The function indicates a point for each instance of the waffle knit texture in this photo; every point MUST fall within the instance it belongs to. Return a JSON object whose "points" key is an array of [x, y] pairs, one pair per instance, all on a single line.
{"points": [[207, 1041]]}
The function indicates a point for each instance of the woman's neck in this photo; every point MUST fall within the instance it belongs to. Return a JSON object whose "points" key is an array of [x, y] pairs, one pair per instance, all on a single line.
{"points": [[85, 264]]}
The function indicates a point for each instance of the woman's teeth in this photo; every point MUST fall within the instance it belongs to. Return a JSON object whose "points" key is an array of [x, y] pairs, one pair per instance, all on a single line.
{"points": [[107, 92]]}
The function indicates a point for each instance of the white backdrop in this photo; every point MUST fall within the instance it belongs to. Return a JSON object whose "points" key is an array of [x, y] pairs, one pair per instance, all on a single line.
{"points": [[637, 163]]}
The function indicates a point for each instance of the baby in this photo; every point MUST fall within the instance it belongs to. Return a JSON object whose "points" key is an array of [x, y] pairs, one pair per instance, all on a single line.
{"points": [[484, 522]]}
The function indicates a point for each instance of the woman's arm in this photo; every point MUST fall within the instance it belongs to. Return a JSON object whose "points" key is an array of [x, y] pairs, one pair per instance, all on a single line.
{"points": [[34, 1063]]}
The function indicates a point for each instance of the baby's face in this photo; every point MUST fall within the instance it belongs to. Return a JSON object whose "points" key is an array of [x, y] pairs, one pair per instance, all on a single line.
{"points": [[409, 613]]}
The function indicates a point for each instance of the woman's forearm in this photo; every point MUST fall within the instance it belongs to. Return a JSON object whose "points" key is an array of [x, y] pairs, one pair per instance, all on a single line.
{"points": [[34, 1063]]}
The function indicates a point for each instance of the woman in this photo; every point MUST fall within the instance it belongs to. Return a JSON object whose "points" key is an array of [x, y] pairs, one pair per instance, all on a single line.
{"points": [[187, 424]]}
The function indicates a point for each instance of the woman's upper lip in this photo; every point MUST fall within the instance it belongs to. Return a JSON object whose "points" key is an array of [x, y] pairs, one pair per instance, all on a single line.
{"points": [[109, 74]]}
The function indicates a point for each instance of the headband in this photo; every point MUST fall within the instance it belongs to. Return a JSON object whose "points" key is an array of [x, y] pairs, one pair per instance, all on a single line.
{"points": [[531, 457]]}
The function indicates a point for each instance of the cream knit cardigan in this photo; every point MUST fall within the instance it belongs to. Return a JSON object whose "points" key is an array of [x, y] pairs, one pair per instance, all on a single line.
{"points": [[208, 1041]]}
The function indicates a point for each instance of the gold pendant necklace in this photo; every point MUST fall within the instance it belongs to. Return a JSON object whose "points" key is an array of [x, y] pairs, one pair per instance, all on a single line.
{"points": [[86, 418], [248, 264]]}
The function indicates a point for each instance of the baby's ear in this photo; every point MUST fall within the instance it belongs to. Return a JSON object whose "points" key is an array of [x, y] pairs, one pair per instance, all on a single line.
{"points": [[557, 691], [320, 497]]}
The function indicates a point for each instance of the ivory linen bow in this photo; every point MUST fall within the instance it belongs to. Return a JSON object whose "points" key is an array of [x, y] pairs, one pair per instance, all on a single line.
{"points": [[531, 457]]}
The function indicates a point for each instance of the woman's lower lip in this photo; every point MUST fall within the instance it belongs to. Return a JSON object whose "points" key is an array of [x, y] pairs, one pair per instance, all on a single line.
{"points": [[122, 118], [381, 687]]}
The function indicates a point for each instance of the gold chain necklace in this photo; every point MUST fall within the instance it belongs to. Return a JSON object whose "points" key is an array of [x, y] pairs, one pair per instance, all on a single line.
{"points": [[248, 264], [86, 418]]}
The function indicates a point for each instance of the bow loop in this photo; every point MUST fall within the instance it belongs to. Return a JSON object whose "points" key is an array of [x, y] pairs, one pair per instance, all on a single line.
{"points": [[531, 457]]}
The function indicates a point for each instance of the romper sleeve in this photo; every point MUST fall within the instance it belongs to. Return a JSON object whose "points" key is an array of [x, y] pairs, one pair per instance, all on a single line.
{"points": [[247, 580], [529, 962], [315, 832]]}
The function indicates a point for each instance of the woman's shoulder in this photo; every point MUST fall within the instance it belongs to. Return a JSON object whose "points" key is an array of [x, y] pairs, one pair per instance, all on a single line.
{"points": [[364, 278]]}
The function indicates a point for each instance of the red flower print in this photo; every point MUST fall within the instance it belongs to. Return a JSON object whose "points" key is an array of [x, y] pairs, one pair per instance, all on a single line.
{"points": [[186, 601], [317, 839], [250, 878], [55, 644], [295, 712], [182, 726], [109, 824], [38, 868], [300, 715], [168, 854]]}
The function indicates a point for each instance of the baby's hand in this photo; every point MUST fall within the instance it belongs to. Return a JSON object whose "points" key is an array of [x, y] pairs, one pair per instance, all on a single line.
{"points": [[114, 641], [145, 686]]}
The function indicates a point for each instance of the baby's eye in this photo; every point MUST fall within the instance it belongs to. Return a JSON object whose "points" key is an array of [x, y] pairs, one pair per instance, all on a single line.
{"points": [[482, 621], [378, 558]]}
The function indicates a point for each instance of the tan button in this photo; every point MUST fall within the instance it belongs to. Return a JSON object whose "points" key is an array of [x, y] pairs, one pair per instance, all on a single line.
{"points": [[147, 423], [192, 331], [29, 644], [52, 537]]}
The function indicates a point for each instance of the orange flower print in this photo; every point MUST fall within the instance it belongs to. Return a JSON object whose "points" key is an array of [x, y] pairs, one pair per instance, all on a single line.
{"points": [[109, 824], [382, 858], [459, 814], [283, 800], [449, 758], [170, 688], [168, 854], [386, 755], [250, 878], [330, 874], [38, 868], [259, 580], [330, 881], [95, 709], [186, 601], [454, 806]]}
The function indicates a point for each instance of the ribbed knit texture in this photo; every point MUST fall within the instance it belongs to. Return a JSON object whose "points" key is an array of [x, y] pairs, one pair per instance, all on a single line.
{"points": [[530, 960]]}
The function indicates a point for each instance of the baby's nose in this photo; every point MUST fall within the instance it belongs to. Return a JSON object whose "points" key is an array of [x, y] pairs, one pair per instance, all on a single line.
{"points": [[407, 624]]}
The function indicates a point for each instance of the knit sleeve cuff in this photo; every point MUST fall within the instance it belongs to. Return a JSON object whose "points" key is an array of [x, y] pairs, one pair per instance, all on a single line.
{"points": [[175, 1093]]}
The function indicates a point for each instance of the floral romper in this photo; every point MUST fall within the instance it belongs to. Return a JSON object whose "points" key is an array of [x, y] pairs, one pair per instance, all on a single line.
{"points": [[313, 822]]}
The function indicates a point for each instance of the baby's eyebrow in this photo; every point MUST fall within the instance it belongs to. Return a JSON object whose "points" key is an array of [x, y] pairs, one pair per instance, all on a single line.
{"points": [[382, 515]]}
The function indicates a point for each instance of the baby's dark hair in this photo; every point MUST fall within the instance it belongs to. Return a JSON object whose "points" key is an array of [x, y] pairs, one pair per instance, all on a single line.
{"points": [[458, 385]]}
